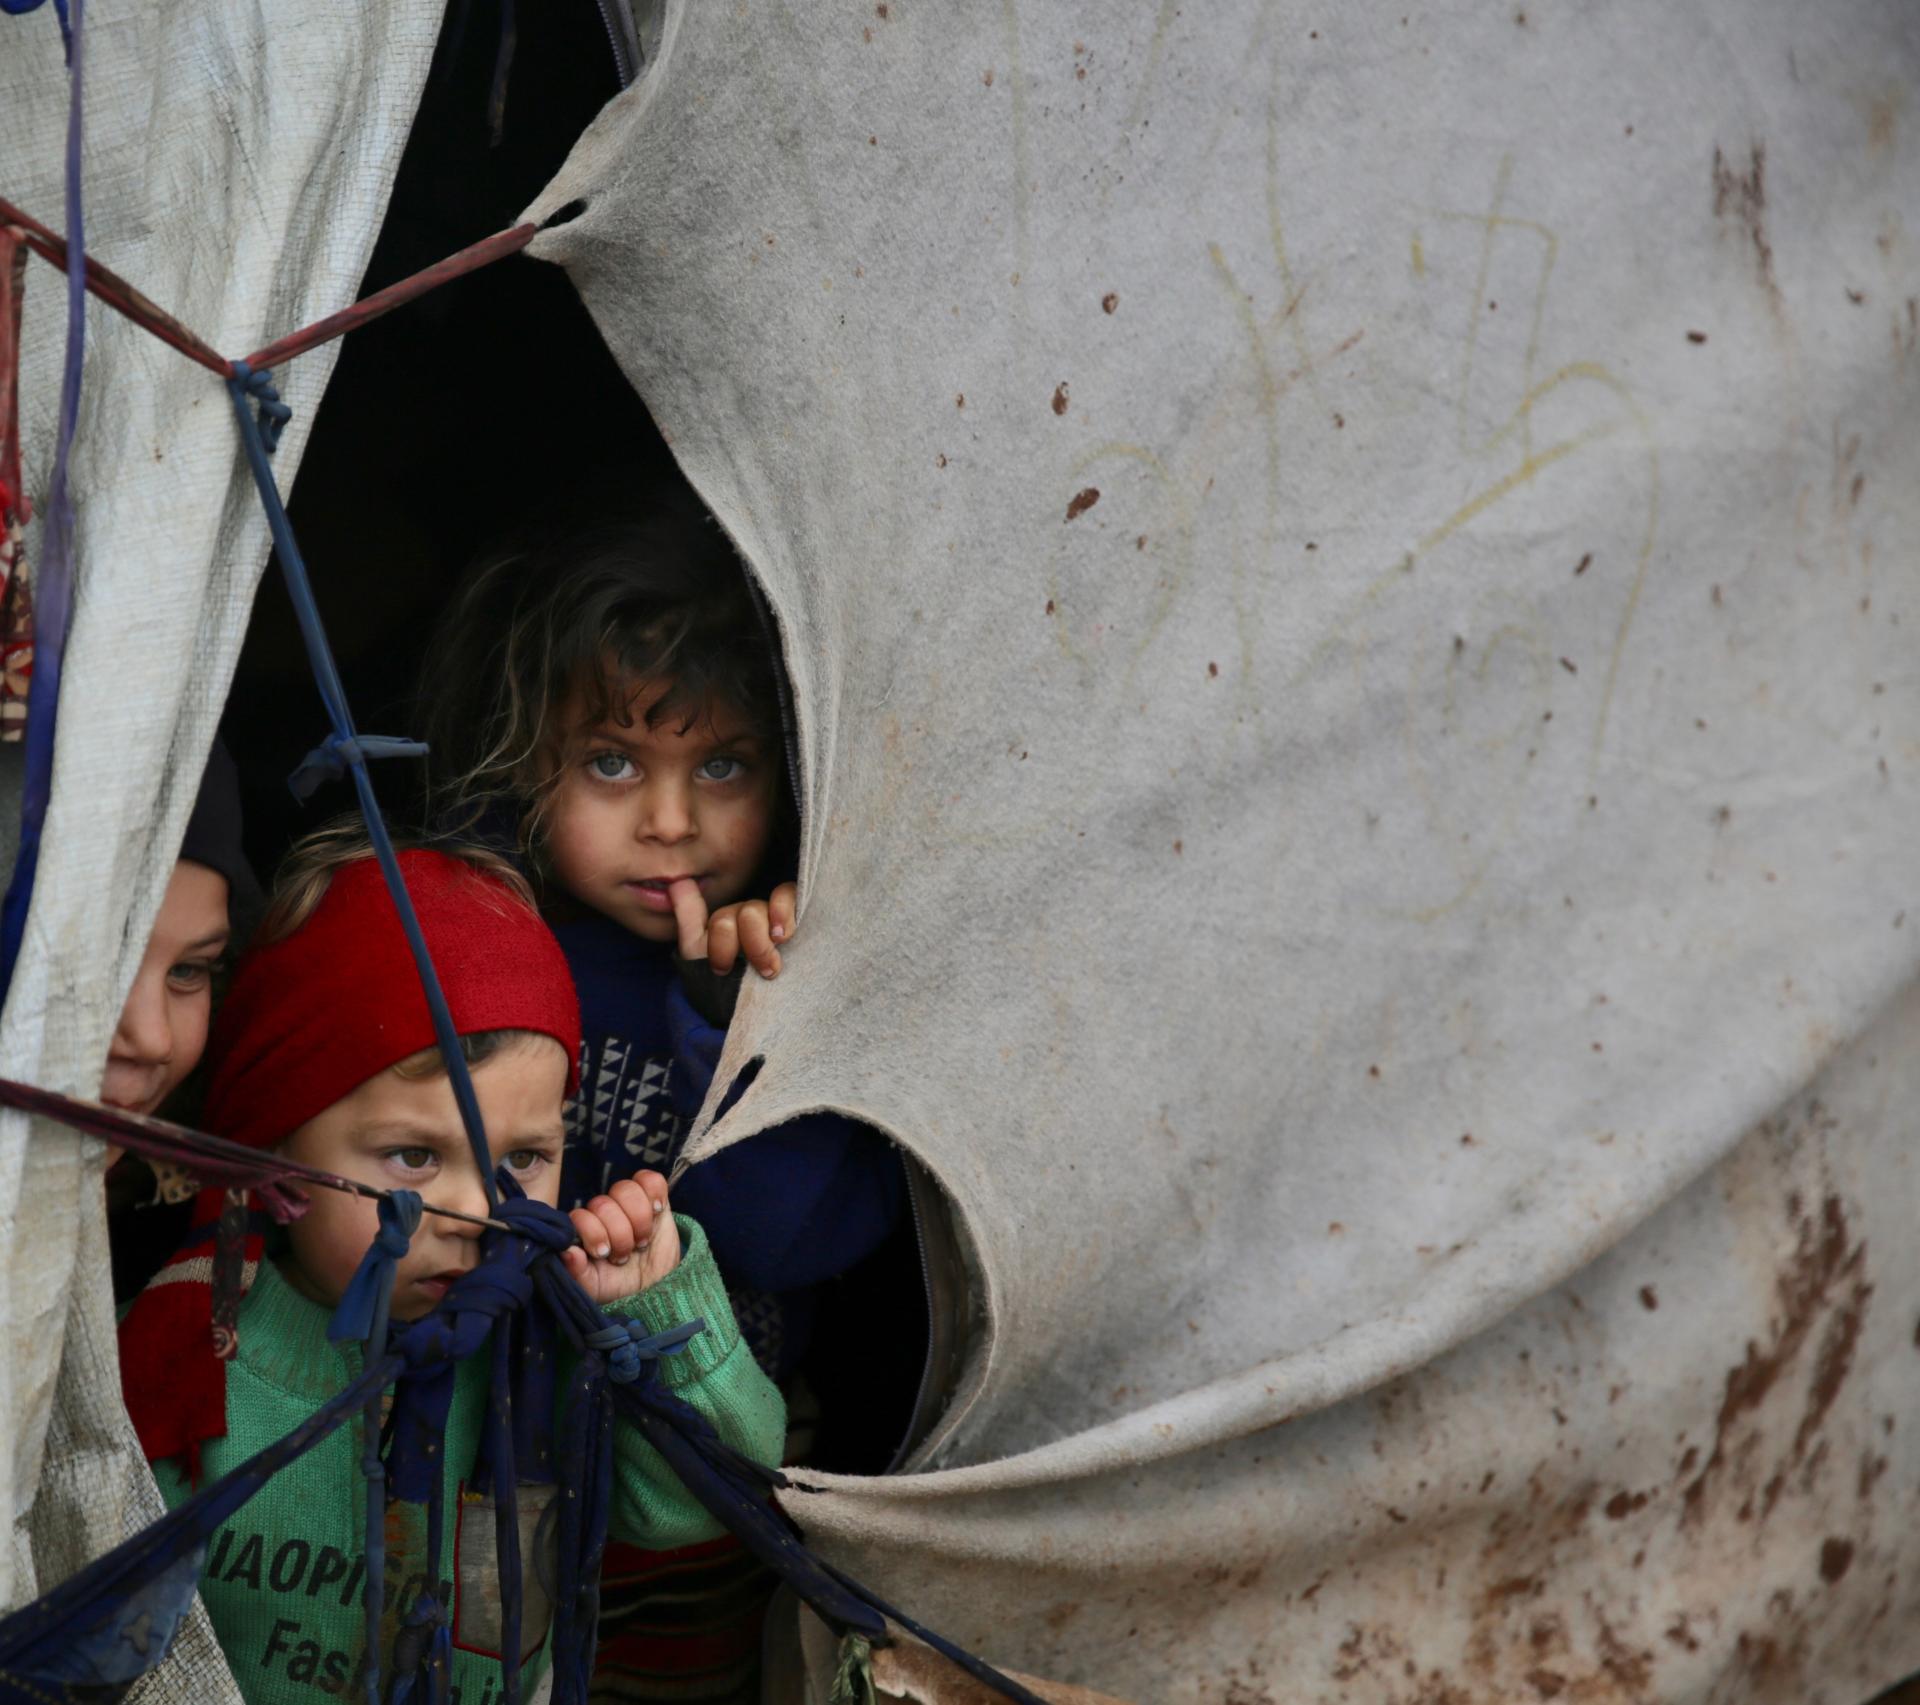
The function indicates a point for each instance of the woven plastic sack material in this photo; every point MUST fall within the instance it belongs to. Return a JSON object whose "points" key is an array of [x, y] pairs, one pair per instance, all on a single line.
{"points": [[237, 166], [1344, 575]]}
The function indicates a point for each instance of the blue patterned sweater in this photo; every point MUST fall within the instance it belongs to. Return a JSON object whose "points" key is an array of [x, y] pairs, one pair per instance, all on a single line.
{"points": [[785, 1211]]}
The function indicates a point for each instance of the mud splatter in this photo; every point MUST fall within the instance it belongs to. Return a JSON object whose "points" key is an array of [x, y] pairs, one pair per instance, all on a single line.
{"points": [[1836, 1558], [1742, 197], [1821, 1267]]}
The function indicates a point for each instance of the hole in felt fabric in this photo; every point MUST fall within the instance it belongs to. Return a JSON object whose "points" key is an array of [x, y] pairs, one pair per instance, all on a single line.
{"points": [[742, 1082], [563, 215]]}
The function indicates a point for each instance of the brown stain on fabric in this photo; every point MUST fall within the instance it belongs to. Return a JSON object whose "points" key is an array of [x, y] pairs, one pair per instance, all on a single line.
{"points": [[1082, 501], [1742, 197], [1823, 1273], [1771, 1659], [1836, 1558], [1060, 397]]}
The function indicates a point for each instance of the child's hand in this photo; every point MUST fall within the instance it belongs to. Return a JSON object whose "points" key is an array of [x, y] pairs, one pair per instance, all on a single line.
{"points": [[749, 927], [628, 1239]]}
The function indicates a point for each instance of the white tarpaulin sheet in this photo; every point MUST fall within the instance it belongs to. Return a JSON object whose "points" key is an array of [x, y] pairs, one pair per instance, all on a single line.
{"points": [[1344, 574], [237, 164]]}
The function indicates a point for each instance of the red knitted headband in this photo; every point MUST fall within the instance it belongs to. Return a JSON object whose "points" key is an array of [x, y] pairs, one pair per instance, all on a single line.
{"points": [[311, 1017]]}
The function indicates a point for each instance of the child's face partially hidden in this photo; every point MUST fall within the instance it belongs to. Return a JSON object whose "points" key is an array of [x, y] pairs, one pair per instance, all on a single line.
{"points": [[163, 1027], [636, 807], [405, 1133]]}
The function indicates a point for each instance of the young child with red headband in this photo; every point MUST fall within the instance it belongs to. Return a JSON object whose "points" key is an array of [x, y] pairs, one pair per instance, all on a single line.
{"points": [[325, 1051]]}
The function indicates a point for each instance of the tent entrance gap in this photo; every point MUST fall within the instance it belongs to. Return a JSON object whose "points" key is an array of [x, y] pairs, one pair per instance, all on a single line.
{"points": [[448, 426]]}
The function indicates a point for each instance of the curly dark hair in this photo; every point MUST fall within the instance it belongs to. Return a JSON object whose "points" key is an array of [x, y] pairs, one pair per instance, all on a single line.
{"points": [[564, 625]]}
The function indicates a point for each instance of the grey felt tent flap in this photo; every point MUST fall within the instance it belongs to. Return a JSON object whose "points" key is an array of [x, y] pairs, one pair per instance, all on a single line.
{"points": [[1343, 580]]}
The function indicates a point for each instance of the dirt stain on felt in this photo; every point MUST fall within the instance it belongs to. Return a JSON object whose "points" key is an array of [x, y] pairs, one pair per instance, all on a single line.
{"points": [[1823, 1274]]}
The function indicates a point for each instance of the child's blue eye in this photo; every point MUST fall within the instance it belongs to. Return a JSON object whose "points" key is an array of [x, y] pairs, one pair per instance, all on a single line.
{"points": [[610, 766], [721, 769]]}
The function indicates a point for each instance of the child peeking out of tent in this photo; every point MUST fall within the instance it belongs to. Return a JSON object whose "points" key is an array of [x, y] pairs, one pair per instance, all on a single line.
{"points": [[605, 702], [163, 1025], [324, 1050], [211, 896]]}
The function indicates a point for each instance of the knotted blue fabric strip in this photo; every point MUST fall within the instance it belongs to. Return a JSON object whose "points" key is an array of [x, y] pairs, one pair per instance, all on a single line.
{"points": [[362, 1314], [422, 1652], [369, 1288], [629, 1348], [273, 413], [331, 759]]}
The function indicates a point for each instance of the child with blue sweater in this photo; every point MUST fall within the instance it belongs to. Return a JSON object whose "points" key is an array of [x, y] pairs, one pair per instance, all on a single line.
{"points": [[608, 700]]}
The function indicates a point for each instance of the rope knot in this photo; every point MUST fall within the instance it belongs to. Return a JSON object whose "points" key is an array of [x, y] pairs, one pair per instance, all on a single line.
{"points": [[422, 1652], [359, 1305], [273, 413], [631, 1350], [536, 1222], [330, 760]]}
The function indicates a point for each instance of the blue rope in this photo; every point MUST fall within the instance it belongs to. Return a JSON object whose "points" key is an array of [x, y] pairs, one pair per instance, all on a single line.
{"points": [[345, 742], [630, 1349], [333, 757], [53, 584], [274, 414], [361, 1313], [20, 8]]}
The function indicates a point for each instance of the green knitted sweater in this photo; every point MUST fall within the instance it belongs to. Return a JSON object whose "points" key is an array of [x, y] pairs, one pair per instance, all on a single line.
{"points": [[283, 1578]]}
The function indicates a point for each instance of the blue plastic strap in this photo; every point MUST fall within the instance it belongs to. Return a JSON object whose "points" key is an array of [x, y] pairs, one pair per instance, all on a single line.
{"points": [[333, 696], [333, 757]]}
